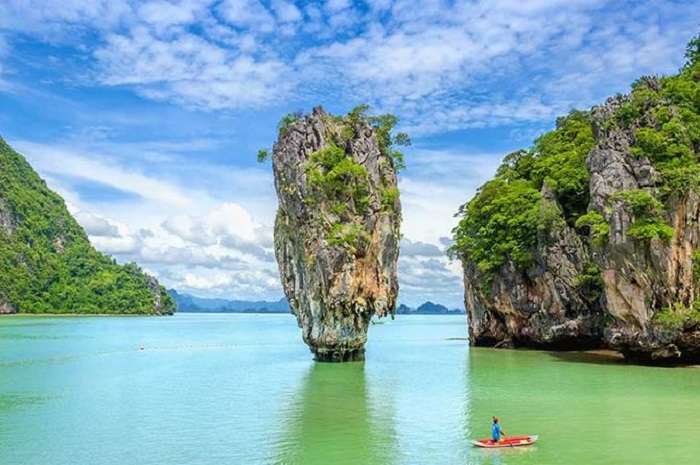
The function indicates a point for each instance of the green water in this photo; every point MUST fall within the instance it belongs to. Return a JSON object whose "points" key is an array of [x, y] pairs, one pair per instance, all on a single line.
{"points": [[241, 389]]}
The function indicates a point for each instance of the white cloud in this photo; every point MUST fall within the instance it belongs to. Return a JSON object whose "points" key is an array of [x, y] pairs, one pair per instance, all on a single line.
{"points": [[286, 11], [116, 245], [96, 225], [61, 21], [164, 14], [334, 6], [443, 66], [247, 14], [207, 237], [439, 182], [98, 169], [433, 279], [198, 282], [420, 249], [230, 224], [190, 70]]}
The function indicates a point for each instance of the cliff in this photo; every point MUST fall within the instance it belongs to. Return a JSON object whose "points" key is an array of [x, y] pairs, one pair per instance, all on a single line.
{"points": [[337, 225], [590, 238], [47, 264]]}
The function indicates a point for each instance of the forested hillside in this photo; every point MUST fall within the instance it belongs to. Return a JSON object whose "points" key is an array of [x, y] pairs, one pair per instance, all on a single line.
{"points": [[47, 264]]}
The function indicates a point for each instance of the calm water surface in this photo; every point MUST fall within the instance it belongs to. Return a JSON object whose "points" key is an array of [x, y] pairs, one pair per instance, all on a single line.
{"points": [[242, 389]]}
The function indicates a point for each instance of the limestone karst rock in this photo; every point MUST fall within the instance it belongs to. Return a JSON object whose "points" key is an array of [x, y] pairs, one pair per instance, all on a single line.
{"points": [[592, 238], [337, 227]]}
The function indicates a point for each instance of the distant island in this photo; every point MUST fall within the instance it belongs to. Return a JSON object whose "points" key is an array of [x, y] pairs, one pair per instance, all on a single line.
{"points": [[428, 308], [190, 304]]}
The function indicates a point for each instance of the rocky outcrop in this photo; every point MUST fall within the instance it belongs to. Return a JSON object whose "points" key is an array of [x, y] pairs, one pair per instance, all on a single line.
{"points": [[7, 221], [642, 278], [7, 308], [542, 307], [336, 231], [634, 288]]}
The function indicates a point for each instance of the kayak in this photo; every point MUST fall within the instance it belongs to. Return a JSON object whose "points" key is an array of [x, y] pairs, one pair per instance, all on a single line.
{"points": [[514, 441]]}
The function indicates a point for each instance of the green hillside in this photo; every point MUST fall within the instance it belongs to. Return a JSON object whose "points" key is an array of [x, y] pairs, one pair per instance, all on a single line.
{"points": [[47, 264]]}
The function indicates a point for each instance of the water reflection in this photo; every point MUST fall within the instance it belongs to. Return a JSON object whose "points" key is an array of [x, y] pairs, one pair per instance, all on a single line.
{"points": [[331, 420]]}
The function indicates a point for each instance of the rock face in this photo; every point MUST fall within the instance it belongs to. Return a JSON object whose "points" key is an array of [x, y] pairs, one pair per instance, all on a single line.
{"points": [[47, 264], [633, 284], [642, 278], [541, 307], [336, 231]]}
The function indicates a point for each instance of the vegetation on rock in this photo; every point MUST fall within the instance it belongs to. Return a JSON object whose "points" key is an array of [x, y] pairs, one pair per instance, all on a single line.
{"points": [[648, 216], [576, 235], [594, 224], [338, 184], [47, 264], [500, 223], [337, 229]]}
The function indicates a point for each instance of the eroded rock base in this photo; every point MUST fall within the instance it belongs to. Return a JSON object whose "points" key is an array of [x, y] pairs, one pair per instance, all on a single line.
{"points": [[338, 355]]}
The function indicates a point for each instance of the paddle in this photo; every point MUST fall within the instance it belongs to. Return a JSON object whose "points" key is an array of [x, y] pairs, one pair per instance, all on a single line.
{"points": [[506, 438]]}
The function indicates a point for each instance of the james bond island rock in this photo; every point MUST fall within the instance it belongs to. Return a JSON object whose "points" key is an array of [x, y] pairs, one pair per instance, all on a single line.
{"points": [[592, 237], [47, 264], [337, 226]]}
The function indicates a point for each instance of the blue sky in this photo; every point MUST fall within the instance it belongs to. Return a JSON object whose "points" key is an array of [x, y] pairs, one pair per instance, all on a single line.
{"points": [[146, 115]]}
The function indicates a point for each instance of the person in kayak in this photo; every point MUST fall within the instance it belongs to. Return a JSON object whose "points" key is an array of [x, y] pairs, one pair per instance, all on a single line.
{"points": [[496, 431]]}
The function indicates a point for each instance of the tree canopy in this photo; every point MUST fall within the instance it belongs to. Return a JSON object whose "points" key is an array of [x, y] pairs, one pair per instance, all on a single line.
{"points": [[47, 264]]}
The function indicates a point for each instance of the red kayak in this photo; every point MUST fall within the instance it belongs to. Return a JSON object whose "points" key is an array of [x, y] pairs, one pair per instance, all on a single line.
{"points": [[514, 441]]}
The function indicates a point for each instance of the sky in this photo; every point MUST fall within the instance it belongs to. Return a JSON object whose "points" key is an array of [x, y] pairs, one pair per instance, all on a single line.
{"points": [[146, 116]]}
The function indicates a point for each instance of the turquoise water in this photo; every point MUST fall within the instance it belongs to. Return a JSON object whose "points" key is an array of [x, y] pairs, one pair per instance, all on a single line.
{"points": [[240, 389]]}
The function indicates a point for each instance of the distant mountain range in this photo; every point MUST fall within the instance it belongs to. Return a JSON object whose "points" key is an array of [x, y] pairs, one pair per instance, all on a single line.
{"points": [[189, 303], [428, 308]]}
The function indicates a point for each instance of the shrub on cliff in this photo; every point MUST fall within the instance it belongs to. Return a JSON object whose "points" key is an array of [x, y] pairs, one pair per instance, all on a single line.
{"points": [[664, 117], [500, 223]]}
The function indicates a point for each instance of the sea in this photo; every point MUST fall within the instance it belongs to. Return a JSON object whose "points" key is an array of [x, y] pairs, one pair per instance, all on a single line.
{"points": [[243, 389]]}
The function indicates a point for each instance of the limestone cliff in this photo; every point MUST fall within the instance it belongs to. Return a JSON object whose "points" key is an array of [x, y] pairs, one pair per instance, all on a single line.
{"points": [[47, 264], [591, 238], [337, 227]]}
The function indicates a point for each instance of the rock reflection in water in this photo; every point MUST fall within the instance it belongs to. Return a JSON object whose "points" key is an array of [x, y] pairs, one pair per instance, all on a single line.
{"points": [[332, 421]]}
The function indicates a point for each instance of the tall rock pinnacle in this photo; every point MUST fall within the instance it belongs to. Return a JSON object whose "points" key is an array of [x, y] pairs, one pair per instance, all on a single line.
{"points": [[337, 226]]}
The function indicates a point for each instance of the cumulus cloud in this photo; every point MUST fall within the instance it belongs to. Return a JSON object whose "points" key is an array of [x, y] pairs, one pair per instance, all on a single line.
{"points": [[247, 14], [429, 278], [207, 237], [418, 248], [122, 245], [96, 225], [229, 224], [286, 11], [255, 283]]}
